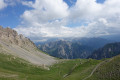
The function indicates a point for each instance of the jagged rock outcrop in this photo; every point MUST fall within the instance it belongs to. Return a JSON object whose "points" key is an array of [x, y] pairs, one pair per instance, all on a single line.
{"points": [[11, 37], [72, 48], [18, 45], [108, 51], [66, 49]]}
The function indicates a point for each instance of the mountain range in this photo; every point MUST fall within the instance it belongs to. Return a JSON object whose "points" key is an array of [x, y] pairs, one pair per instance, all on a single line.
{"points": [[72, 48], [108, 51]]}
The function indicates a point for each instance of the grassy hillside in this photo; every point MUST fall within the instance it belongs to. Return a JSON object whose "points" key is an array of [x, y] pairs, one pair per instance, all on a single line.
{"points": [[109, 70], [12, 68]]}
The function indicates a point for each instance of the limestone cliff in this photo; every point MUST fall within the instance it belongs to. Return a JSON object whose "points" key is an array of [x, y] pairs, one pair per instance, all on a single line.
{"points": [[18, 45]]}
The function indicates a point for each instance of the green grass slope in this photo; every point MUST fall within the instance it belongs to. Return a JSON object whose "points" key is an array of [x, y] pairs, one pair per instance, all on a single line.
{"points": [[109, 70], [13, 68]]}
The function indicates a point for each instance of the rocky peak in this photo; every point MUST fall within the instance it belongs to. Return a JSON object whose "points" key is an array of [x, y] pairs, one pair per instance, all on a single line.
{"points": [[19, 46], [10, 36]]}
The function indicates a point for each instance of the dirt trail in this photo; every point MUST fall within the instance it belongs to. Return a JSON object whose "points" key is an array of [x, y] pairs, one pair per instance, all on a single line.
{"points": [[69, 73]]}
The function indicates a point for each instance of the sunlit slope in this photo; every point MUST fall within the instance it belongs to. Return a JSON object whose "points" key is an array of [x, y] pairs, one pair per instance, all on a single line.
{"points": [[13, 68], [109, 70]]}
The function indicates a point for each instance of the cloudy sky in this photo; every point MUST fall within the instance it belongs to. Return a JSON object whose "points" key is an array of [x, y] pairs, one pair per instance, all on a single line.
{"points": [[37, 19]]}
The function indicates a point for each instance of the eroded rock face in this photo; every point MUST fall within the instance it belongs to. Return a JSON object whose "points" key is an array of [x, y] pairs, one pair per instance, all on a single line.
{"points": [[108, 51], [12, 37], [66, 49], [14, 44]]}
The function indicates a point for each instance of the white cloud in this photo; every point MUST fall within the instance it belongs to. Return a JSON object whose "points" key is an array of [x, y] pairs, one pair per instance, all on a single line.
{"points": [[45, 10], [2, 4], [5, 3], [84, 10], [49, 18], [28, 3], [103, 21]]}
